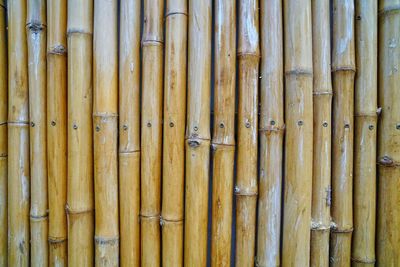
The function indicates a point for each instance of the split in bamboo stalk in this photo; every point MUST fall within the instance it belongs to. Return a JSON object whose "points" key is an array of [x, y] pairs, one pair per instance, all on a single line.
{"points": [[299, 133], [197, 133], [223, 142], [18, 137], [105, 123], [322, 86], [343, 69], [174, 133], [80, 199], [365, 100], [36, 35], [388, 233], [271, 128], [248, 53]]}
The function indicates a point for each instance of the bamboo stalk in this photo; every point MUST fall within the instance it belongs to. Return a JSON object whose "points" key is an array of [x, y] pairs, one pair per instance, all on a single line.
{"points": [[363, 246], [271, 128], [129, 134], [388, 234], [248, 53], [223, 141], [18, 137], [36, 35], [322, 97], [80, 199], [343, 68], [299, 133], [197, 133], [174, 133]]}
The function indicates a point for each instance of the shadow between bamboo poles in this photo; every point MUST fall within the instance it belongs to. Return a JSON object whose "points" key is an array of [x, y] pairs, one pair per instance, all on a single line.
{"points": [[365, 100], [388, 234], [80, 198], [343, 69], [271, 129], [197, 133], [299, 133], [322, 97]]}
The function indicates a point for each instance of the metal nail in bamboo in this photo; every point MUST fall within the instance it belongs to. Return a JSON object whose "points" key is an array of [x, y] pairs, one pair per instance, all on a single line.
{"points": [[151, 132], [248, 53], [271, 129], [299, 133], [343, 70], [36, 37], [223, 141], [129, 132], [388, 219], [172, 210], [80, 195], [18, 137], [365, 134], [197, 133], [105, 124], [322, 86]]}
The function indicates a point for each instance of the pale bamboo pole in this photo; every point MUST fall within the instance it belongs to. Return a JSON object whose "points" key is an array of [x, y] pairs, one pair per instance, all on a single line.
{"points": [[388, 233], [197, 133], [18, 137], [299, 132], [36, 37], [322, 86], [248, 53], [365, 101], [80, 198], [343, 70], [129, 132], [271, 129], [174, 133]]}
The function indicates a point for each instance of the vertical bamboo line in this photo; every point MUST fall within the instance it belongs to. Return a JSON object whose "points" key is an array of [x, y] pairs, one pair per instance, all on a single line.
{"points": [[80, 199], [365, 101], [343, 68], [129, 133], [299, 133], [18, 137], [322, 97], [197, 133], [388, 234], [174, 133]]}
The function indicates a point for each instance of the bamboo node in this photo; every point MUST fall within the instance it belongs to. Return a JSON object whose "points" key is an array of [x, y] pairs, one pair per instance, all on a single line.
{"points": [[366, 114], [18, 123], [388, 10], [69, 211], [322, 93], [58, 50], [272, 128], [5, 8], [77, 31], [56, 240], [164, 221], [319, 226], [193, 143], [152, 43], [35, 26], [106, 240], [344, 68], [245, 192], [335, 229], [387, 161], [300, 71], [364, 260], [3, 123], [174, 13], [37, 218], [249, 55]]}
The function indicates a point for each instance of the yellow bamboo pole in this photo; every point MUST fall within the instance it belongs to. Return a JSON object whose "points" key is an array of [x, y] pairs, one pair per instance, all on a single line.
{"points": [[365, 101], [197, 133], [18, 137], [129, 133], [271, 128], [174, 133], [80, 199], [388, 233], [299, 133], [322, 85], [36, 37], [343, 69]]}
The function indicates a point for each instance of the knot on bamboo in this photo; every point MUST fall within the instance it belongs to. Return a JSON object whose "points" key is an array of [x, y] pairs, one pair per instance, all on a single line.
{"points": [[106, 240], [319, 226], [58, 50], [35, 26], [387, 161]]}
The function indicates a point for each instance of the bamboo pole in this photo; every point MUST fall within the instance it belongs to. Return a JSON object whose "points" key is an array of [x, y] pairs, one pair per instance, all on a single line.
{"points": [[36, 35], [322, 97], [80, 199], [299, 133], [174, 133], [197, 133], [129, 134], [271, 129], [365, 101], [388, 234], [343, 68], [18, 137], [248, 53]]}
